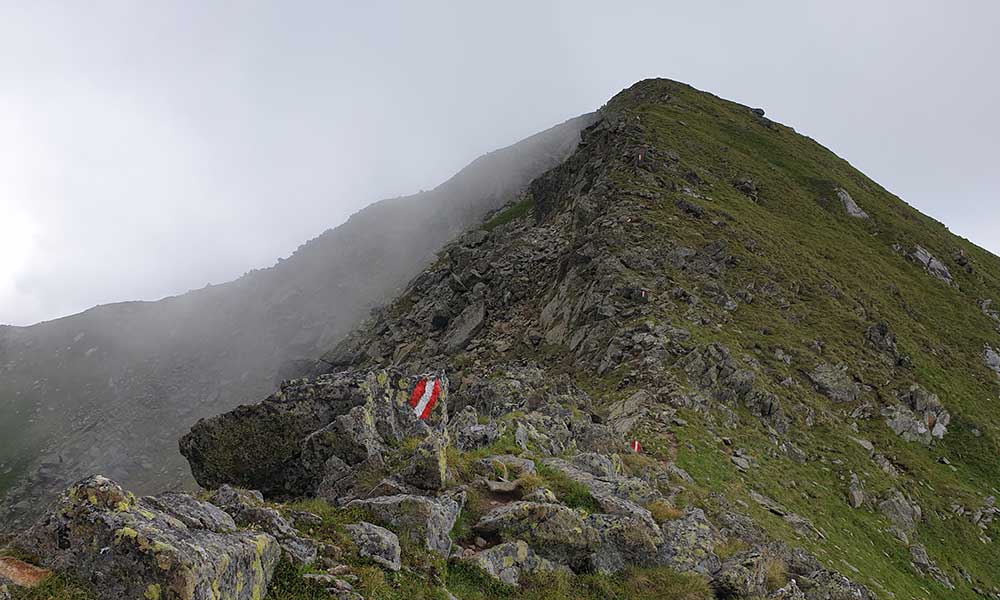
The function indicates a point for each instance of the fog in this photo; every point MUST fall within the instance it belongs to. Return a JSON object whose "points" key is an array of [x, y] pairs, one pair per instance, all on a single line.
{"points": [[150, 148]]}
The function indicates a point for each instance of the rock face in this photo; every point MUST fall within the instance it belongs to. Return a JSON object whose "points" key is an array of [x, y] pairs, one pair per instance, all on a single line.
{"points": [[165, 547]]}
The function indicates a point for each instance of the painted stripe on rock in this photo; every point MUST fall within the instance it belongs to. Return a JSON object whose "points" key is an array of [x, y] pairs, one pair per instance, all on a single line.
{"points": [[424, 397]]}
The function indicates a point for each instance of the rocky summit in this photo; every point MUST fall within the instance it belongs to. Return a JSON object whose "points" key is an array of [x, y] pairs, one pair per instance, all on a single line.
{"points": [[701, 357]]}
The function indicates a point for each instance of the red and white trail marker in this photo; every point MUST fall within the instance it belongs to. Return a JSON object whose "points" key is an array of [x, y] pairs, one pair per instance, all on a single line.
{"points": [[425, 396], [636, 446]]}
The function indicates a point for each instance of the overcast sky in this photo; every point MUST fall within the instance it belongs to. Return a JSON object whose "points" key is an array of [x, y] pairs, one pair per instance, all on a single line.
{"points": [[148, 148]]}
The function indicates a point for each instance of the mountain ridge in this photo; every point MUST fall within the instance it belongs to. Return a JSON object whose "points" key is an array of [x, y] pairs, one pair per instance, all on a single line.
{"points": [[701, 357]]}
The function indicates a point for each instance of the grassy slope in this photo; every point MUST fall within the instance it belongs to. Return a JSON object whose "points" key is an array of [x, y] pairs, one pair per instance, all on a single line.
{"points": [[808, 243]]}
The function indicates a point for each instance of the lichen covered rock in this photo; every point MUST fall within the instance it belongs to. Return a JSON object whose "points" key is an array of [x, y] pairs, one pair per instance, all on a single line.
{"points": [[424, 521], [311, 432], [377, 543], [169, 547]]}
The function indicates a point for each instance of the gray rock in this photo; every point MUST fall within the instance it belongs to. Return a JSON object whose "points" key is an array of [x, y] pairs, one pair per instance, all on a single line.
{"points": [[855, 493], [923, 563], [468, 433], [835, 383], [901, 512], [622, 541], [930, 263], [376, 543], [422, 520], [992, 359], [554, 531], [466, 325], [919, 418], [130, 548], [247, 510], [508, 466], [193, 512], [608, 484], [509, 561], [688, 543], [304, 519], [850, 205], [428, 466]]}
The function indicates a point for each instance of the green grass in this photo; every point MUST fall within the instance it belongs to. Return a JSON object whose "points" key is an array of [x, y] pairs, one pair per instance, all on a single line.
{"points": [[571, 493], [514, 211], [468, 583], [57, 587]]}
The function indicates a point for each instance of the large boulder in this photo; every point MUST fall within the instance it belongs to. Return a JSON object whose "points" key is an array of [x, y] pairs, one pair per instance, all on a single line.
{"points": [[288, 444], [422, 520], [171, 546]]}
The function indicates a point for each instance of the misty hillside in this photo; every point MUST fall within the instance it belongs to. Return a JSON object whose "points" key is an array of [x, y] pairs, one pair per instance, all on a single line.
{"points": [[111, 389]]}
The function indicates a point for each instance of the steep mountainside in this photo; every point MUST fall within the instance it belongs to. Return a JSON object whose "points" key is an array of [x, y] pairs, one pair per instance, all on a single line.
{"points": [[702, 357], [799, 353], [111, 389]]}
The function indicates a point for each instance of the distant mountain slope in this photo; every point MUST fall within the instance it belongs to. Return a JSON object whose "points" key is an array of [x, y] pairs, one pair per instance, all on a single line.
{"points": [[111, 389]]}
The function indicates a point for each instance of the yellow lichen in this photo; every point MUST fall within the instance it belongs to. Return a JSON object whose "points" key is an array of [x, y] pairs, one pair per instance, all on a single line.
{"points": [[152, 592], [125, 532]]}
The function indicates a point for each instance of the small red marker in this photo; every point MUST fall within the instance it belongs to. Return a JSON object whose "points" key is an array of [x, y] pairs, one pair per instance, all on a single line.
{"points": [[636, 446]]}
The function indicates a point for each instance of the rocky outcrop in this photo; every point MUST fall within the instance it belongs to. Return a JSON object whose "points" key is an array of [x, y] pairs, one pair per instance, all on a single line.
{"points": [[313, 434], [850, 205], [172, 546], [930, 263], [919, 417], [835, 382], [991, 358]]}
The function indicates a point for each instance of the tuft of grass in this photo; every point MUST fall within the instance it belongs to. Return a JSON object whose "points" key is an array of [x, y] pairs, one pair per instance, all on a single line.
{"points": [[775, 574], [571, 493], [729, 548], [663, 511]]}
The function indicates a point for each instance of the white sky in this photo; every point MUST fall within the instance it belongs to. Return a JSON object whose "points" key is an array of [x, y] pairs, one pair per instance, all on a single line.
{"points": [[147, 148]]}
